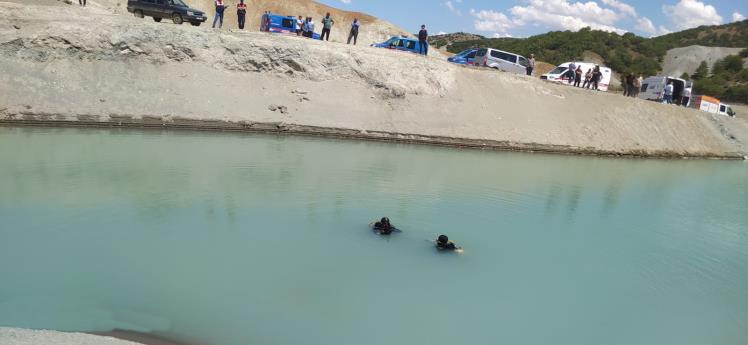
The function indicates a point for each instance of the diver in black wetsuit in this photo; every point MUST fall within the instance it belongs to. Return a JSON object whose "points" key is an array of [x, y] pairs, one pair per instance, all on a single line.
{"points": [[383, 226], [443, 243]]}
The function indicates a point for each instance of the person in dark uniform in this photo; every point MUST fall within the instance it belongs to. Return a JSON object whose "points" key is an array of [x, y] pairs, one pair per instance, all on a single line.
{"points": [[384, 226], [443, 243], [241, 13], [423, 44]]}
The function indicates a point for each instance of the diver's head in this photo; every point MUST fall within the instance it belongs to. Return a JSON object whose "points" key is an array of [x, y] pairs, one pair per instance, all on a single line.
{"points": [[443, 239], [385, 220]]}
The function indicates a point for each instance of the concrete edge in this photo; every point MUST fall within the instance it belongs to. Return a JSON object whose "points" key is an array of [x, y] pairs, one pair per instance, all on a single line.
{"points": [[42, 119]]}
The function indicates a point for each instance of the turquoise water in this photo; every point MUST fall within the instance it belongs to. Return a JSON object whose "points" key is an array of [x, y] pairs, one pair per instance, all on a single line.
{"points": [[228, 239]]}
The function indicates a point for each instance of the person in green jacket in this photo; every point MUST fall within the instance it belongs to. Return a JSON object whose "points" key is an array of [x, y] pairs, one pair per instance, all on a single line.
{"points": [[327, 23]]}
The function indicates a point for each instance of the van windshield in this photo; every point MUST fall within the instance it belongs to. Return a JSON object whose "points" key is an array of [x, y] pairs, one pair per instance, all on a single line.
{"points": [[481, 52], [558, 70], [178, 3]]}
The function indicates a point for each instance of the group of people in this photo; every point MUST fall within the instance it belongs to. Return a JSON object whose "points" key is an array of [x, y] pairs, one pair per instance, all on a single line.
{"points": [[576, 74], [442, 243], [631, 85], [303, 27]]}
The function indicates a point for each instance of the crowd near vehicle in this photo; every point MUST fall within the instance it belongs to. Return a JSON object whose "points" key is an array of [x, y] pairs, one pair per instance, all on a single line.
{"points": [[400, 43], [465, 57], [560, 74], [712, 105], [653, 87], [279, 24], [501, 60], [176, 10]]}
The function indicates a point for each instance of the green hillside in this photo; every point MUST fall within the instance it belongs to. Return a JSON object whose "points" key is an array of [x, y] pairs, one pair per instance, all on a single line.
{"points": [[623, 53]]}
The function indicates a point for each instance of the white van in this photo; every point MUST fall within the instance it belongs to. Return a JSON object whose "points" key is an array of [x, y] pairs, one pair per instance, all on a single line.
{"points": [[501, 60], [653, 88], [558, 74]]}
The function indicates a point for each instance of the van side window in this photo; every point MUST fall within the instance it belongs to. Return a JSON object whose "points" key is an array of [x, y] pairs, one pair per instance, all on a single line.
{"points": [[401, 43], [504, 56], [482, 52], [721, 108], [644, 87], [288, 23], [523, 61], [411, 45]]}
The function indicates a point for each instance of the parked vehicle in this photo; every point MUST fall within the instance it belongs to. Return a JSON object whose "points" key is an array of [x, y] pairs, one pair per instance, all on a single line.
{"points": [[279, 24], [653, 88], [560, 73], [501, 60], [176, 10], [465, 57], [400, 43], [712, 105]]}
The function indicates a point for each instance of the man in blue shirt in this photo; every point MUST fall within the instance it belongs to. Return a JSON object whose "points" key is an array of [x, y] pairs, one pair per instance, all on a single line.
{"points": [[423, 46]]}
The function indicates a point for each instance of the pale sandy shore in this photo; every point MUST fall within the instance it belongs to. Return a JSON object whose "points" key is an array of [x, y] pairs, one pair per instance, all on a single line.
{"points": [[21, 336], [93, 67]]}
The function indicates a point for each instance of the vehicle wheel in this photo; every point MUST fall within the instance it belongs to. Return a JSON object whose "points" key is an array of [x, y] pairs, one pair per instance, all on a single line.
{"points": [[177, 18], [195, 23], [138, 13], [157, 19]]}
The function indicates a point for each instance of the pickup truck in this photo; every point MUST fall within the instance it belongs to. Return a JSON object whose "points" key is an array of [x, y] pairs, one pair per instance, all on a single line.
{"points": [[176, 10]]}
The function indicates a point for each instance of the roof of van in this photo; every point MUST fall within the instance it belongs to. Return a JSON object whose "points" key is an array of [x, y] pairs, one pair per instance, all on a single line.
{"points": [[710, 99], [499, 50]]}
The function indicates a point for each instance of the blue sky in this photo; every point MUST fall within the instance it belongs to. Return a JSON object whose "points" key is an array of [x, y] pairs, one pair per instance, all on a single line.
{"points": [[522, 18]]}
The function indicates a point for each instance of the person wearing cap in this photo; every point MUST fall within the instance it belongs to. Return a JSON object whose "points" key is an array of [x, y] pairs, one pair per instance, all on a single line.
{"points": [[443, 243]]}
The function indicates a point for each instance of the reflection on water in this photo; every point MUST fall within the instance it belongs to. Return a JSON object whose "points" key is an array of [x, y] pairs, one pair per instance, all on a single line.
{"points": [[232, 239]]}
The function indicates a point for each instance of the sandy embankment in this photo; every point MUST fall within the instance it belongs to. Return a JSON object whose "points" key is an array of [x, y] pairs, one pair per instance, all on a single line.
{"points": [[18, 336], [93, 67]]}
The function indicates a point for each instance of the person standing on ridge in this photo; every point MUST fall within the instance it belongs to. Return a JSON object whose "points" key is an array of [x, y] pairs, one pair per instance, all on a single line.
{"points": [[241, 13], [530, 64], [220, 7], [587, 79], [686, 97], [299, 26], [82, 3], [423, 45], [327, 23], [570, 73], [667, 96], [354, 31], [596, 74], [578, 76]]}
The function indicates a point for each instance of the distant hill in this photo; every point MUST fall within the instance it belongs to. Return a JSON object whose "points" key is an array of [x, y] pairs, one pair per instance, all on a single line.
{"points": [[626, 53], [448, 39]]}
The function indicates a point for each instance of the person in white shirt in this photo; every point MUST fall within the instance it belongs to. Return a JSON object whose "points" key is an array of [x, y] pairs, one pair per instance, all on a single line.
{"points": [[667, 96]]}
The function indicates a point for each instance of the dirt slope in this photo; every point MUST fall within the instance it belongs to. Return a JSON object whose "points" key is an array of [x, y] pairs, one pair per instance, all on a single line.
{"points": [[685, 60], [94, 66]]}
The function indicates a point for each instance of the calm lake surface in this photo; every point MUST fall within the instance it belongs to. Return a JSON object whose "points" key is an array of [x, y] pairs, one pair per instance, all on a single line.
{"points": [[235, 239]]}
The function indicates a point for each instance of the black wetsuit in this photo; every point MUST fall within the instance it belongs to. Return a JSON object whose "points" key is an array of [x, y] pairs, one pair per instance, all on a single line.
{"points": [[446, 246], [384, 230]]}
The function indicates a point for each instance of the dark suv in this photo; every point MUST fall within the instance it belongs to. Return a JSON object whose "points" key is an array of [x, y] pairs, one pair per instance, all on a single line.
{"points": [[177, 10]]}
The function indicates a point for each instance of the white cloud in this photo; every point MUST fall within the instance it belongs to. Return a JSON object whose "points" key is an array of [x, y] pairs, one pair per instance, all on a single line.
{"points": [[345, 1], [644, 24], [621, 6], [560, 15], [564, 15], [492, 21], [691, 13], [737, 16], [441, 33], [452, 7]]}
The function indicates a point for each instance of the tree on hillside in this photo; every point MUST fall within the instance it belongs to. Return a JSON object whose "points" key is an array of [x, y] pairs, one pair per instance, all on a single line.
{"points": [[701, 72], [744, 53], [685, 76], [730, 65]]}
